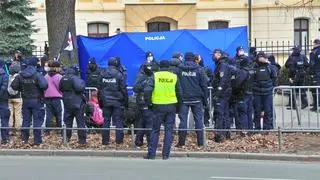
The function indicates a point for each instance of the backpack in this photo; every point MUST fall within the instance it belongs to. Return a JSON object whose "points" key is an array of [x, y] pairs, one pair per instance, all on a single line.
{"points": [[236, 81], [10, 90], [97, 115]]}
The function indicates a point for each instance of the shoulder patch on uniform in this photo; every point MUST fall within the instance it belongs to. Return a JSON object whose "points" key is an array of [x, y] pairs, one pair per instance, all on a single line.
{"points": [[221, 74]]}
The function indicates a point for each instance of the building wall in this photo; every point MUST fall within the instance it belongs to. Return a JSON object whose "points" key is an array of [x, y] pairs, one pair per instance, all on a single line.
{"points": [[277, 24], [272, 20]]}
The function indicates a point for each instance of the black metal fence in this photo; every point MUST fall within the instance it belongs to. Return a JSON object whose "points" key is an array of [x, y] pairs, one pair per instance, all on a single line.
{"points": [[281, 49]]}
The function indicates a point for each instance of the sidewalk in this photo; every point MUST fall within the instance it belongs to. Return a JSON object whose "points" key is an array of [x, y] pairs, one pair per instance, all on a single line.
{"points": [[140, 154]]}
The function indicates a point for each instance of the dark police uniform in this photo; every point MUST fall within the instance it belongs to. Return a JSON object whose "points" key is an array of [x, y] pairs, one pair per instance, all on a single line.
{"points": [[93, 73], [113, 97], [164, 95], [73, 89], [32, 86], [263, 82], [142, 82], [4, 109], [221, 92], [155, 65], [245, 97], [315, 66], [298, 65], [194, 84]]}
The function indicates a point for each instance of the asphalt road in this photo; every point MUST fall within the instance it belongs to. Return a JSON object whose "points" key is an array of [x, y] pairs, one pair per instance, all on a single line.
{"points": [[94, 168]]}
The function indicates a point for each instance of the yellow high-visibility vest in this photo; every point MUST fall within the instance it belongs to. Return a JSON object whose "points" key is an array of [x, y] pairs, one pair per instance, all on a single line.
{"points": [[164, 91]]}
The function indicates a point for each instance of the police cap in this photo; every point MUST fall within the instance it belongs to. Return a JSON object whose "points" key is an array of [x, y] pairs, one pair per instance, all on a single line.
{"points": [[217, 51], [316, 41], [92, 60], [189, 56], [261, 54], [296, 47], [239, 48]]}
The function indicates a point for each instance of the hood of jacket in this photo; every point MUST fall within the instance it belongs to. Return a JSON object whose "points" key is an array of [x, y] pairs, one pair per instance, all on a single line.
{"points": [[175, 62], [29, 71], [189, 65]]}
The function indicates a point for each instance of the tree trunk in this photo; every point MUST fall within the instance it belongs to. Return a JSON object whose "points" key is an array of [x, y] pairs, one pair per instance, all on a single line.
{"points": [[60, 16]]}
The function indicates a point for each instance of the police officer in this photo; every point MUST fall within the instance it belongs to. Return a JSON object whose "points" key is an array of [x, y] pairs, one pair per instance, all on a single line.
{"points": [[264, 80], [142, 82], [122, 69], [298, 65], [200, 61], [164, 94], [175, 61], [73, 89], [93, 73], [32, 86], [194, 84], [150, 59], [315, 65], [221, 92], [114, 98], [4, 109], [244, 93]]}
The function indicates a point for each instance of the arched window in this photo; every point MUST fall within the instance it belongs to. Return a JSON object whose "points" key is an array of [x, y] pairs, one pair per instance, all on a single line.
{"points": [[158, 26], [98, 29], [218, 24], [301, 31]]}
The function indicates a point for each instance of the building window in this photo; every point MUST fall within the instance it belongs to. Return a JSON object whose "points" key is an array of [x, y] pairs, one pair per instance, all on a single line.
{"points": [[218, 24], [301, 31], [158, 26], [98, 29]]}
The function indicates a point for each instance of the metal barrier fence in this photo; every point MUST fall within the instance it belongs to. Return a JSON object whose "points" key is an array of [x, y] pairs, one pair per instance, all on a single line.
{"points": [[298, 115], [281, 49], [205, 131], [284, 126]]}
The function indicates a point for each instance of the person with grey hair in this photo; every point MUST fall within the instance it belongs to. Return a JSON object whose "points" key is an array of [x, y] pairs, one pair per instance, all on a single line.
{"points": [[15, 101]]}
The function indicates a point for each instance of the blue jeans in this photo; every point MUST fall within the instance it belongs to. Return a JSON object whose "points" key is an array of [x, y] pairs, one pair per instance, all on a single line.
{"points": [[221, 114], [145, 121], [54, 108], [263, 103], [244, 111], [31, 110], [4, 117], [69, 115], [197, 111], [117, 114], [165, 114]]}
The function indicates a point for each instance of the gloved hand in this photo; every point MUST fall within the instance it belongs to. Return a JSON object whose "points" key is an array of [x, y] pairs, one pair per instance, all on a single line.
{"points": [[291, 81]]}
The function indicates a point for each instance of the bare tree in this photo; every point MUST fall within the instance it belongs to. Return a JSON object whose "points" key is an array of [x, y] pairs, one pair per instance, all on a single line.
{"points": [[60, 16]]}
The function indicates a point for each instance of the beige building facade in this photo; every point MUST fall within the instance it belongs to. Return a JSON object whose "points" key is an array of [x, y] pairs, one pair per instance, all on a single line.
{"points": [[272, 20]]}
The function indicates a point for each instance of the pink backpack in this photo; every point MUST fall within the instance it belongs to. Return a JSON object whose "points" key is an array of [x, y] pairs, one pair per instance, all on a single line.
{"points": [[97, 115]]}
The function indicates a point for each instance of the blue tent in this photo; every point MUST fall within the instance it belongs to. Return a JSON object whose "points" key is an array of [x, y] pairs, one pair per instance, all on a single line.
{"points": [[131, 47]]}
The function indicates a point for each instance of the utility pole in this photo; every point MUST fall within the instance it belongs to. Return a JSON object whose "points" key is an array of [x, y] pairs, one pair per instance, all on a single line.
{"points": [[250, 19]]}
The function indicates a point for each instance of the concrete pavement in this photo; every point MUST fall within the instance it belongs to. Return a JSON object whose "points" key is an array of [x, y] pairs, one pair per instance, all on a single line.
{"points": [[97, 168]]}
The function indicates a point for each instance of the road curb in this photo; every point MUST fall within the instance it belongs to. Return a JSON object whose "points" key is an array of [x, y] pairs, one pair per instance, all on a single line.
{"points": [[140, 154]]}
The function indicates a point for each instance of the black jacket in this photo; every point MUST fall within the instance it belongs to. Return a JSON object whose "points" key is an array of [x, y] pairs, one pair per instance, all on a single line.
{"points": [[73, 89], [264, 79], [142, 82], [112, 86], [193, 81], [30, 83], [94, 76], [4, 80]]}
